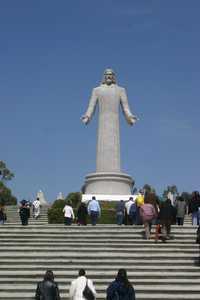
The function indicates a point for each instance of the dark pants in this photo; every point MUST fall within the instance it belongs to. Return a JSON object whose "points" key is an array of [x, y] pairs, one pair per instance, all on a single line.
{"points": [[180, 221], [24, 221], [68, 221], [120, 218], [138, 218], [94, 217], [132, 219], [166, 229]]}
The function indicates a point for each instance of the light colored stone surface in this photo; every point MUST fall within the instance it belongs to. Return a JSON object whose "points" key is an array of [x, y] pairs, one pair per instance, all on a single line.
{"points": [[156, 270], [88, 197], [41, 197], [60, 196], [109, 97]]}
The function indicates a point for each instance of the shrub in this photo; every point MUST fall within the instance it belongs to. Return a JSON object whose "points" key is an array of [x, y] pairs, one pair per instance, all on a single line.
{"points": [[74, 199], [55, 216], [55, 213]]}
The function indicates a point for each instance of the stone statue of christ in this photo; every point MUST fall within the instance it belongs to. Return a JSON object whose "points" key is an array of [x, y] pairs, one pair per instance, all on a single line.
{"points": [[109, 96]]}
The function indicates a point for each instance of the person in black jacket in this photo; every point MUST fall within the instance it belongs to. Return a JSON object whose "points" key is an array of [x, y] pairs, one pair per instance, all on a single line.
{"points": [[48, 288], [24, 212], [120, 288], [82, 214], [167, 218]]}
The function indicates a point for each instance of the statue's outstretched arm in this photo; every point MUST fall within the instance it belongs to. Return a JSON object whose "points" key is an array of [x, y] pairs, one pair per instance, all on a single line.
{"points": [[131, 119], [91, 108]]}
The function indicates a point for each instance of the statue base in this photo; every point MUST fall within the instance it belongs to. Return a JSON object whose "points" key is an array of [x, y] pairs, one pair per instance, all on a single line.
{"points": [[109, 183]]}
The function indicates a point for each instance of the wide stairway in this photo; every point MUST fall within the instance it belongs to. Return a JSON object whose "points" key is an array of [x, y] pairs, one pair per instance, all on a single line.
{"points": [[13, 215], [156, 270]]}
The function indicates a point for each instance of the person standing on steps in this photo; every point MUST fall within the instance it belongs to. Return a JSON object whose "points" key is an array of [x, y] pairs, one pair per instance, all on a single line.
{"points": [[167, 218], [120, 212], [82, 214], [3, 216], [194, 208], [131, 209], [68, 214], [94, 210], [147, 213], [24, 212], [48, 288], [120, 288], [36, 208], [78, 285], [181, 207]]}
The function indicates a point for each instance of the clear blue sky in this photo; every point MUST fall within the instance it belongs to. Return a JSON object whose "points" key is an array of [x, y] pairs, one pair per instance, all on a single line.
{"points": [[52, 53]]}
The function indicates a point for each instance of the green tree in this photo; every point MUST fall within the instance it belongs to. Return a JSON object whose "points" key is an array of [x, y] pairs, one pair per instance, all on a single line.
{"points": [[5, 173], [149, 189], [74, 199], [6, 197]]}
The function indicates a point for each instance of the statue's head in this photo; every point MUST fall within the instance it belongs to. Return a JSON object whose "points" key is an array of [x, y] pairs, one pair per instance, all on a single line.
{"points": [[109, 77]]}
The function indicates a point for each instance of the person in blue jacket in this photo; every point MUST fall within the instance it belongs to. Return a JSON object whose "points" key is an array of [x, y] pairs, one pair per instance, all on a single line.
{"points": [[120, 288]]}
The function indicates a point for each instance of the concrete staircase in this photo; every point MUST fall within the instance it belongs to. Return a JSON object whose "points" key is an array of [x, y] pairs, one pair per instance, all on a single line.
{"points": [[13, 216], [156, 270]]}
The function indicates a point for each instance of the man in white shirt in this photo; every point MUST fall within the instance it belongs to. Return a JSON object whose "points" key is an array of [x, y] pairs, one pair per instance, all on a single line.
{"points": [[68, 214], [131, 214], [78, 285], [36, 208]]}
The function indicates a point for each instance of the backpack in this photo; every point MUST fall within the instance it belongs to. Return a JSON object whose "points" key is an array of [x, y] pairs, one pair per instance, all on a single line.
{"points": [[132, 209], [87, 293]]}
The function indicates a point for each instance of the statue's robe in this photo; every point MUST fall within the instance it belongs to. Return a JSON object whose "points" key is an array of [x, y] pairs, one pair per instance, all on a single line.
{"points": [[109, 98]]}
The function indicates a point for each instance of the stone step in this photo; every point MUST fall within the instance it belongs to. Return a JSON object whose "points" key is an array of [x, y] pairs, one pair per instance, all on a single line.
{"points": [[138, 271], [90, 262], [130, 242], [91, 229], [105, 281], [141, 295], [127, 245], [176, 288], [35, 233], [26, 253], [105, 248], [106, 269], [103, 255]]}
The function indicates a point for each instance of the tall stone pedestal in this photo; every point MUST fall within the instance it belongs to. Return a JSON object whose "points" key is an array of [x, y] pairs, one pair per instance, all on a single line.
{"points": [[109, 183]]}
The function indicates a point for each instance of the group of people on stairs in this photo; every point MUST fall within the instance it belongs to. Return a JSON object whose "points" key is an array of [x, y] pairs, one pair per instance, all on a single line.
{"points": [[82, 288]]}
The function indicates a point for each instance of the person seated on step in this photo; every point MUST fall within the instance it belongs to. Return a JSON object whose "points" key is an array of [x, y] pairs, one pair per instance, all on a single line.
{"points": [[120, 288], [48, 288]]}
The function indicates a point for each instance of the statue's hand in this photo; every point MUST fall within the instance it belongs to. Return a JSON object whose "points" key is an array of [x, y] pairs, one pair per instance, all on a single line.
{"points": [[132, 119], [85, 119]]}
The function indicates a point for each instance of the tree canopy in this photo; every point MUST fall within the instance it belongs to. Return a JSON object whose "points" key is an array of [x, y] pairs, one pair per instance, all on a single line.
{"points": [[5, 173], [6, 197]]}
